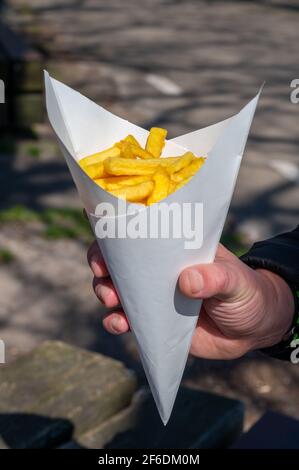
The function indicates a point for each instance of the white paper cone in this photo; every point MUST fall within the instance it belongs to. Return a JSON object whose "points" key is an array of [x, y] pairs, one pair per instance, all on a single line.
{"points": [[145, 270]]}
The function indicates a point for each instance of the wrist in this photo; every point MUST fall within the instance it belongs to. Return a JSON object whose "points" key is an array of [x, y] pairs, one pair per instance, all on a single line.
{"points": [[278, 310]]}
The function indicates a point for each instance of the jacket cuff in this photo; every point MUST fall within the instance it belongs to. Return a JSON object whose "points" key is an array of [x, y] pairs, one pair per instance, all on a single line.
{"points": [[279, 255]]}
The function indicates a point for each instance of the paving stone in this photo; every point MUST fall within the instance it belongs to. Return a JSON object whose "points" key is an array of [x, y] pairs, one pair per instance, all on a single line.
{"points": [[57, 391], [121, 422]]}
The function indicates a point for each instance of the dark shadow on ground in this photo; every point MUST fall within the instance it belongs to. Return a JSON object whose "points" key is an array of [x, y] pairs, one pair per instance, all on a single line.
{"points": [[31, 431]]}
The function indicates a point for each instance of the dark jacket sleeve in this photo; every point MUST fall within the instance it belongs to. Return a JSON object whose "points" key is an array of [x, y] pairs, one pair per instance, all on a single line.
{"points": [[280, 254]]}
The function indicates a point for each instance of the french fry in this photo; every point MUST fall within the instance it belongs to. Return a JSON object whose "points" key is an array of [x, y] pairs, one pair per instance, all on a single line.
{"points": [[184, 161], [161, 188], [125, 148], [141, 153], [100, 182], [99, 157], [116, 182], [131, 140], [156, 141], [136, 193], [95, 171], [189, 170], [129, 149], [172, 187], [124, 166], [183, 182], [139, 175]]}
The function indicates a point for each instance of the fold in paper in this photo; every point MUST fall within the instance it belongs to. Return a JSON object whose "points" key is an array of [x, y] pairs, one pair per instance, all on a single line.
{"points": [[145, 271]]}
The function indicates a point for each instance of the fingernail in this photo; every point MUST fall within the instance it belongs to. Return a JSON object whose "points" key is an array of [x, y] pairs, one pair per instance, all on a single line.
{"points": [[115, 324], [102, 292], [195, 281], [99, 294]]}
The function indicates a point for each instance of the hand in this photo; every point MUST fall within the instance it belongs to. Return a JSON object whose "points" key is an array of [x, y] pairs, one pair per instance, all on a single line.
{"points": [[243, 309]]}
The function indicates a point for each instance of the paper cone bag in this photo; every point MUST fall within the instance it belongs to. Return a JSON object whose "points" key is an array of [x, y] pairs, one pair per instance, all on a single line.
{"points": [[145, 270]]}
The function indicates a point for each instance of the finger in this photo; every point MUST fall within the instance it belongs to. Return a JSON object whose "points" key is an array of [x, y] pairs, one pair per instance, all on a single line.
{"points": [[96, 261], [105, 292], [219, 279], [116, 323]]}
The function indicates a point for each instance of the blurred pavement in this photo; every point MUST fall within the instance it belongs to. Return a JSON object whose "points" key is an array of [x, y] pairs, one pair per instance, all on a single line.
{"points": [[178, 64], [185, 65]]}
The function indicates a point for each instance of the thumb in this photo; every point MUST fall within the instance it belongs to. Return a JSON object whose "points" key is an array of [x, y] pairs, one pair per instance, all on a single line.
{"points": [[221, 279]]}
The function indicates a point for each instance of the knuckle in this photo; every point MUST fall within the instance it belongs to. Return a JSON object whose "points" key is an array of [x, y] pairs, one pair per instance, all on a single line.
{"points": [[221, 278], [183, 284], [96, 287]]}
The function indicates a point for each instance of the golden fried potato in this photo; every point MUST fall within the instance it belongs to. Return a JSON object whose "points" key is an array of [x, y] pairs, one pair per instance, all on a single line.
{"points": [[183, 182], [183, 161], [136, 193], [156, 141], [131, 140], [141, 153], [124, 166], [172, 187], [116, 182], [161, 188], [128, 149], [189, 170], [138, 175], [95, 171], [100, 182], [99, 157]]}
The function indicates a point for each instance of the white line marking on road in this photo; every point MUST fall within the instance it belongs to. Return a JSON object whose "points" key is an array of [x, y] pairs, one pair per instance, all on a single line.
{"points": [[164, 85], [287, 169]]}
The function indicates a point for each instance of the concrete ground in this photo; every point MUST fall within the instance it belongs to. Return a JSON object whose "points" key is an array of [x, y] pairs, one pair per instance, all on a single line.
{"points": [[181, 65]]}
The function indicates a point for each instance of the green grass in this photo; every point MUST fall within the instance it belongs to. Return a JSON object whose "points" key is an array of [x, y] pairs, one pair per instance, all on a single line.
{"points": [[66, 223], [58, 222], [24, 142], [6, 256], [234, 243], [33, 151], [18, 213]]}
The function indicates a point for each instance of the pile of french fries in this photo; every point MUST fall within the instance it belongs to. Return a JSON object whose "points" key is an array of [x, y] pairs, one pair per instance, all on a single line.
{"points": [[138, 174]]}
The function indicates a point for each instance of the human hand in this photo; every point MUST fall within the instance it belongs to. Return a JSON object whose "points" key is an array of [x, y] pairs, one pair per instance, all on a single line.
{"points": [[243, 309]]}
